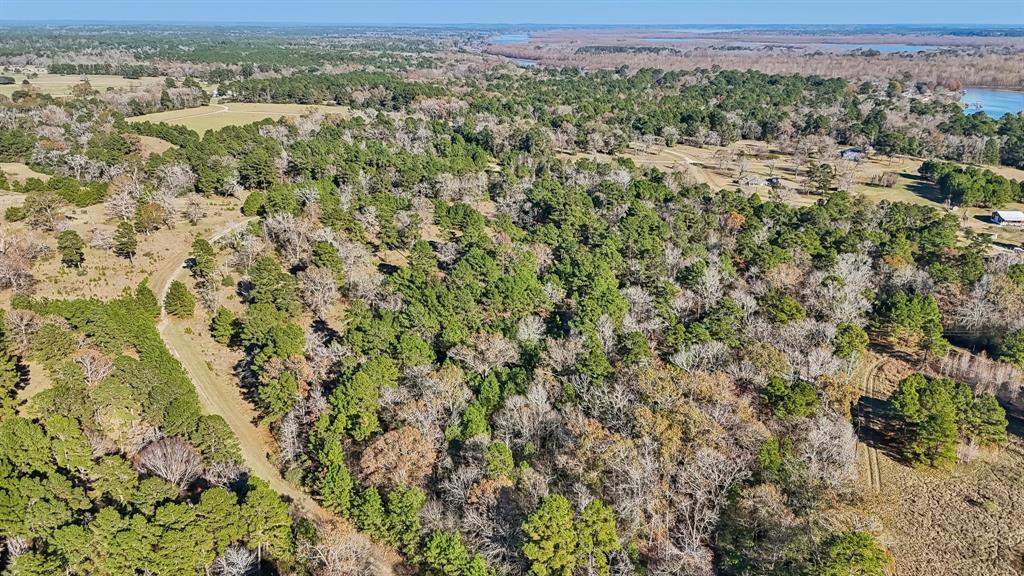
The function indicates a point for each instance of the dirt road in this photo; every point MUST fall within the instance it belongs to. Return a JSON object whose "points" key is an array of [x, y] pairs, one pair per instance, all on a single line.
{"points": [[218, 393], [868, 390]]}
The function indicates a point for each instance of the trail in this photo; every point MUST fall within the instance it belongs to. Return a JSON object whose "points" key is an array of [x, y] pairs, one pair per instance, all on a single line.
{"points": [[219, 393], [868, 390]]}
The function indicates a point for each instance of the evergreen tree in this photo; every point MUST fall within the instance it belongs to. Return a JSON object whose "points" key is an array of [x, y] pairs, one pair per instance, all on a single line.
{"points": [[223, 326], [70, 246], [179, 301], [202, 259], [125, 241], [550, 538]]}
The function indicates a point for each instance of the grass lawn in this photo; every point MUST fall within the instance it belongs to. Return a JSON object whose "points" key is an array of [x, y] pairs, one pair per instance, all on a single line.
{"points": [[216, 116]]}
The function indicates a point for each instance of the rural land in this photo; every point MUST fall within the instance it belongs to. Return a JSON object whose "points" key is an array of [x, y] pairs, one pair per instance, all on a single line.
{"points": [[509, 300]]}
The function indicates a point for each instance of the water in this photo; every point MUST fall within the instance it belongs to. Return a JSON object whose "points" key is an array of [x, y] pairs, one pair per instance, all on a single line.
{"points": [[505, 39], [993, 102], [523, 62]]}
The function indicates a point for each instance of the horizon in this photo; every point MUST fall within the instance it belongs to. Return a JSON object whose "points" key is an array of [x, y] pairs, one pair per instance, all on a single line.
{"points": [[989, 13]]}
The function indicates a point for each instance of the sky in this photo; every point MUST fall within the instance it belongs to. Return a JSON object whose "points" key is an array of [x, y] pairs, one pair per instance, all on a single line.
{"points": [[1005, 12]]}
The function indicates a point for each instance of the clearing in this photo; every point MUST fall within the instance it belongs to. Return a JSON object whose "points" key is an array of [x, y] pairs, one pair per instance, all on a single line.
{"points": [[20, 172], [216, 116], [968, 521], [61, 84], [722, 167]]}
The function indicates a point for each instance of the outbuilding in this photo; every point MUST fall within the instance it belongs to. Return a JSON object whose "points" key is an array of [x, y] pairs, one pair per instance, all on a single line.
{"points": [[1008, 217]]}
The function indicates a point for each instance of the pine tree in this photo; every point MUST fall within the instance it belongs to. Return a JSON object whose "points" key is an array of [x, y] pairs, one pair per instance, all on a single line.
{"points": [[336, 485], [70, 246], [125, 241], [179, 301], [222, 327], [203, 262], [551, 539]]}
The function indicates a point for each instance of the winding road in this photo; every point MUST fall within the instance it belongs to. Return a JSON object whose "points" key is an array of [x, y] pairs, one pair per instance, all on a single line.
{"points": [[219, 394]]}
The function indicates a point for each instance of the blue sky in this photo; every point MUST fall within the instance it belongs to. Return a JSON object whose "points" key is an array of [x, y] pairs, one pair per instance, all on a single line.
{"points": [[1006, 12]]}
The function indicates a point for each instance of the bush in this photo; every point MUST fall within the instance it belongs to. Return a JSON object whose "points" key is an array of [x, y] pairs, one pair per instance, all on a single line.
{"points": [[15, 214]]}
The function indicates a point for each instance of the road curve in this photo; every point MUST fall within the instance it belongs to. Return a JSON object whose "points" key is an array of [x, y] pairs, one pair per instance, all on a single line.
{"points": [[218, 393]]}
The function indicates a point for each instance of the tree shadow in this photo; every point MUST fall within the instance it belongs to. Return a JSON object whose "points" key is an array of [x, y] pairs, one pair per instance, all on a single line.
{"points": [[877, 428], [1014, 419], [922, 188]]}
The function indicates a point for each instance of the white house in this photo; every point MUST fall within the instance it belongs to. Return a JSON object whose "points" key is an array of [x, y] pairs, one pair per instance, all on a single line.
{"points": [[1008, 217]]}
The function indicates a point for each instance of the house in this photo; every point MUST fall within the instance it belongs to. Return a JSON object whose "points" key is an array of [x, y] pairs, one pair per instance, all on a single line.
{"points": [[1008, 218]]}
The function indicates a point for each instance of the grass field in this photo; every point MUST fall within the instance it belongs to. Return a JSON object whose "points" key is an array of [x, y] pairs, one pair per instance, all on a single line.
{"points": [[216, 116], [60, 85]]}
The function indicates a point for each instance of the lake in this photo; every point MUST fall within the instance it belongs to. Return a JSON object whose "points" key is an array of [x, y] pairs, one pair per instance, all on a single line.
{"points": [[504, 39], [993, 102]]}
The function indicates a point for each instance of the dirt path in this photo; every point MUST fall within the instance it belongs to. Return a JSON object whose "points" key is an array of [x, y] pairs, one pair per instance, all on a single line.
{"points": [[868, 390], [218, 393]]}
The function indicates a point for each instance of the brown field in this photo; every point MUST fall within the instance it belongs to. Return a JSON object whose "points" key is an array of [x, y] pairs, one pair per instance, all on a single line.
{"points": [[219, 115], [103, 274]]}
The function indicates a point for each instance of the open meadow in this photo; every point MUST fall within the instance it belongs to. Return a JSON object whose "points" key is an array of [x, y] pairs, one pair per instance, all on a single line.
{"points": [[61, 84], [216, 116]]}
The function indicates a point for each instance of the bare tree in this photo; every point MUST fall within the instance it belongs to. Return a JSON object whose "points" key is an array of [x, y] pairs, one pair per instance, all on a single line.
{"points": [[319, 290], [22, 325], [701, 490], [398, 457], [172, 459], [486, 352], [343, 553], [95, 366], [237, 560]]}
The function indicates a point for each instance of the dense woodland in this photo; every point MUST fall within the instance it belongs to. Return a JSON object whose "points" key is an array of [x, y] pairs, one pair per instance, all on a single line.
{"points": [[484, 358]]}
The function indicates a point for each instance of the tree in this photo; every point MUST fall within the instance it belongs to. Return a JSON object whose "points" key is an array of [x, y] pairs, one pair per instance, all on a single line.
{"points": [[268, 524], [70, 246], [172, 459], [853, 553], [597, 536], [850, 341], [202, 259], [550, 538], [179, 301], [125, 241], [821, 176], [336, 485], [1012, 348], [223, 326], [400, 457]]}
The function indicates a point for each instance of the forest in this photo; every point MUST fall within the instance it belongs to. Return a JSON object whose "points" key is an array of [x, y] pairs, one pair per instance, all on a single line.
{"points": [[479, 338]]}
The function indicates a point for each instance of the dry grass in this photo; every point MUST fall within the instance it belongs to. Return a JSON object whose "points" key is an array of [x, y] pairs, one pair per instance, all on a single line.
{"points": [[216, 116], [105, 275], [151, 145], [20, 172], [61, 85]]}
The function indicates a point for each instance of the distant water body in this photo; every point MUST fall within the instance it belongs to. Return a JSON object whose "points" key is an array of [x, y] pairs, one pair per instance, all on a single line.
{"points": [[993, 102], [505, 39]]}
